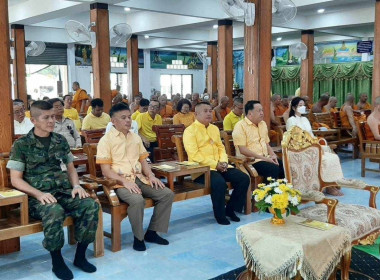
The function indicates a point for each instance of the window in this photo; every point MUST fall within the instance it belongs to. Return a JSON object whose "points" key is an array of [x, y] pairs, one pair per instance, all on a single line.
{"points": [[173, 84], [116, 79], [46, 80]]}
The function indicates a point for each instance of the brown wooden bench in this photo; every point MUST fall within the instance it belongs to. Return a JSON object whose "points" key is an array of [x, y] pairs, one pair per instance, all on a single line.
{"points": [[368, 149], [237, 161], [93, 136], [10, 228], [118, 209], [166, 148]]}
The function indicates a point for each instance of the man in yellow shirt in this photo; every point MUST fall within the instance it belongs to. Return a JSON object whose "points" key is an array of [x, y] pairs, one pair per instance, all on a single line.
{"points": [[79, 99], [144, 104], [203, 145], [145, 122], [97, 119], [251, 139], [70, 112], [235, 115], [122, 157]]}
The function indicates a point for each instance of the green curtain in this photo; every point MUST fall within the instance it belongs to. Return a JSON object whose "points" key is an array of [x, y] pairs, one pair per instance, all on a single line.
{"points": [[336, 79]]}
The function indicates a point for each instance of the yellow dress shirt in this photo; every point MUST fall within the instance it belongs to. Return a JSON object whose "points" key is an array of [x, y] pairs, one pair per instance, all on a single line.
{"points": [[145, 124], [203, 145], [89, 110], [135, 114], [91, 122], [123, 153], [73, 115], [230, 120], [255, 138], [185, 119]]}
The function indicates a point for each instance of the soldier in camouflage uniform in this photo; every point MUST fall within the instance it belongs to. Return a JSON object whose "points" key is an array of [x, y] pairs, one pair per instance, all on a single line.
{"points": [[41, 166]]}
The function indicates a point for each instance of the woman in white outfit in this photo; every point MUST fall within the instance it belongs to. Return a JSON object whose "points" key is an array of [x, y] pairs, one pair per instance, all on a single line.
{"points": [[331, 167]]}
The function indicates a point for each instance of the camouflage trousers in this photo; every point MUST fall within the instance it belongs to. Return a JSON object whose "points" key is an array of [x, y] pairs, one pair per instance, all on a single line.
{"points": [[83, 211]]}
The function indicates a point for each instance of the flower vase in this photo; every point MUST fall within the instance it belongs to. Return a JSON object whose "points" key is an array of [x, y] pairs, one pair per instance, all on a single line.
{"points": [[276, 220]]}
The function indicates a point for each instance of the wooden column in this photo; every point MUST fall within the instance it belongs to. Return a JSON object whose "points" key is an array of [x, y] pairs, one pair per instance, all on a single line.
{"points": [[258, 55], [212, 70], [19, 60], [307, 65], [6, 112], [376, 52], [225, 49], [101, 65], [133, 67]]}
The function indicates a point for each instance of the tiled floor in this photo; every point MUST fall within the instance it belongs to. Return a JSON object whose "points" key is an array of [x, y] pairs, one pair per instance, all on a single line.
{"points": [[199, 248]]}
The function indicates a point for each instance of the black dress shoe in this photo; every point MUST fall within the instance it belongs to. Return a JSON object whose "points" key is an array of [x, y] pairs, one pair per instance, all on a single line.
{"points": [[152, 237], [222, 221], [139, 245]]}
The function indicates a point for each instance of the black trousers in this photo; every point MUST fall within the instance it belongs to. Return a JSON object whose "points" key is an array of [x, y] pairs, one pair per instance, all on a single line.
{"points": [[151, 150], [240, 183], [267, 169]]}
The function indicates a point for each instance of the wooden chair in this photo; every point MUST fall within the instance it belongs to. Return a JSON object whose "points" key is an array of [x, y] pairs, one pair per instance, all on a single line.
{"points": [[302, 163], [325, 118], [219, 124], [10, 228], [93, 136], [166, 148], [118, 209], [368, 149], [238, 162], [249, 169], [167, 121]]}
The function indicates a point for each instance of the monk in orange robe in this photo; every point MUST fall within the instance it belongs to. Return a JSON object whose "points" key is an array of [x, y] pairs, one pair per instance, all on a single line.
{"points": [[221, 111], [166, 111], [331, 106], [363, 104]]}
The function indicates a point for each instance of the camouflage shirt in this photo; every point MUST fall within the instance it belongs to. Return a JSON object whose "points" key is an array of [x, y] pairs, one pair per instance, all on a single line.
{"points": [[41, 167]]}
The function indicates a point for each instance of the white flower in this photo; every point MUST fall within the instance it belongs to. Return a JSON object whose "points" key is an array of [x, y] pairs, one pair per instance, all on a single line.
{"points": [[277, 190], [268, 199], [256, 198], [285, 180], [294, 200]]}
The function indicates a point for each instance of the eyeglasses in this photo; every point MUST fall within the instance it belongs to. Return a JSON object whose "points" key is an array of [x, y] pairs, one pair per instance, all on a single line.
{"points": [[71, 130], [19, 112]]}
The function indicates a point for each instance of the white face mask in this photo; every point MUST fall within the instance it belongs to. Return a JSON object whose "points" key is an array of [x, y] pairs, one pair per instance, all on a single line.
{"points": [[301, 110]]}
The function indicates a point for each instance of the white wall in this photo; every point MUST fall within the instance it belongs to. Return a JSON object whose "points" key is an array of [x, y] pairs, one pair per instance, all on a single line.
{"points": [[148, 78]]}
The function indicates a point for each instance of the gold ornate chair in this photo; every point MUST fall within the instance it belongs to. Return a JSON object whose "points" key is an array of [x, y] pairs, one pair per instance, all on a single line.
{"points": [[302, 163]]}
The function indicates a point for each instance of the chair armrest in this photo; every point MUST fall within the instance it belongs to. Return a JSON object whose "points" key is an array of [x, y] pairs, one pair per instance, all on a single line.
{"points": [[371, 142], [331, 206], [250, 169], [91, 189], [236, 159], [311, 195], [101, 180], [109, 186]]}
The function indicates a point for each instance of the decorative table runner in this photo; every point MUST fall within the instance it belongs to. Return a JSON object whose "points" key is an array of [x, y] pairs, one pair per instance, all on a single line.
{"points": [[276, 252]]}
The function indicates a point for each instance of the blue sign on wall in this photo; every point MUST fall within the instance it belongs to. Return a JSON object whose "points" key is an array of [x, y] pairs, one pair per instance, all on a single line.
{"points": [[364, 47]]}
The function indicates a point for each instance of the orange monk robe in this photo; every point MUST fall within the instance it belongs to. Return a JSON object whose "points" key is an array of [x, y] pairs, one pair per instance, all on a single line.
{"points": [[309, 106], [223, 114], [166, 112], [368, 133], [79, 97], [344, 117], [279, 110], [367, 106]]}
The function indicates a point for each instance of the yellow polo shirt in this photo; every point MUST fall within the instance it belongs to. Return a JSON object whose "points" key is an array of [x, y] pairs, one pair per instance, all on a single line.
{"points": [[185, 119], [145, 124], [255, 138], [73, 115], [123, 153], [230, 120], [89, 110], [91, 122], [135, 114], [203, 144]]}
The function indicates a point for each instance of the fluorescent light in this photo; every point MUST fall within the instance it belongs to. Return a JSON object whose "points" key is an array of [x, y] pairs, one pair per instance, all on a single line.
{"points": [[215, 26], [321, 11], [127, 9], [146, 36], [279, 39]]}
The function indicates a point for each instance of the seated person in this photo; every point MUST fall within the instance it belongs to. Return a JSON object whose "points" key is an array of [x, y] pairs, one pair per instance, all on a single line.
{"points": [[143, 107], [285, 102], [135, 105], [235, 115], [134, 126], [363, 104], [194, 101], [30, 102], [22, 125], [331, 106], [145, 122], [184, 116], [203, 145], [251, 139], [331, 167], [175, 100], [286, 113], [318, 108], [70, 112], [41, 165], [97, 119], [65, 126], [308, 104], [214, 100], [373, 122], [122, 157], [346, 113], [221, 111], [166, 110], [154, 97], [276, 109]]}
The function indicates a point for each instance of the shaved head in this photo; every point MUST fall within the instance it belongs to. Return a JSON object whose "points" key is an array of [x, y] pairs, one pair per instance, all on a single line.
{"points": [[199, 106], [275, 97], [350, 98]]}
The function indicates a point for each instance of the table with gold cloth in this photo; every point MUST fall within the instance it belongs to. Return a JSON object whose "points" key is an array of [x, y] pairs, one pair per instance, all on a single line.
{"points": [[276, 252]]}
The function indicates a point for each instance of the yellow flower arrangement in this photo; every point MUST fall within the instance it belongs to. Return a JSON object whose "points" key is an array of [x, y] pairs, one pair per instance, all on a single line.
{"points": [[277, 194]]}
